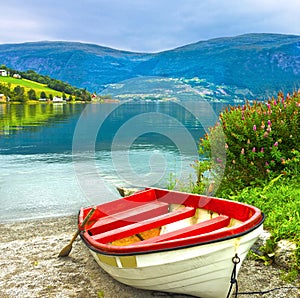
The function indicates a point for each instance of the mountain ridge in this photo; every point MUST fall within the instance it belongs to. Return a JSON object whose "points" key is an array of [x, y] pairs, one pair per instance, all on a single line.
{"points": [[262, 64]]}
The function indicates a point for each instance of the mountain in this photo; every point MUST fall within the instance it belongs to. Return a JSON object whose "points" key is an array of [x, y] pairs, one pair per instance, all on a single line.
{"points": [[251, 65]]}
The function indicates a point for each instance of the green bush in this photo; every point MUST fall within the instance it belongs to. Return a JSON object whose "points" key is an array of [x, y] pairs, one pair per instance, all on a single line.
{"points": [[261, 164], [262, 141]]}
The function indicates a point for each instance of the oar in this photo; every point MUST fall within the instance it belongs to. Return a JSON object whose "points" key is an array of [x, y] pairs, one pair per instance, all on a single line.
{"points": [[67, 249]]}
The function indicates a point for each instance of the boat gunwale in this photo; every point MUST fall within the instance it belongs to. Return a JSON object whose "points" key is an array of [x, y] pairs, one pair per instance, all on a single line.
{"points": [[257, 219], [151, 251]]}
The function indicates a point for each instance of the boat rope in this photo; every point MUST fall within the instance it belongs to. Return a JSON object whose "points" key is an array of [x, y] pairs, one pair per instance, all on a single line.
{"points": [[233, 280], [267, 291], [171, 295]]}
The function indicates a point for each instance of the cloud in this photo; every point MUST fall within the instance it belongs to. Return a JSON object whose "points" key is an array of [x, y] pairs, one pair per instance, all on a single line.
{"points": [[144, 25], [20, 23]]}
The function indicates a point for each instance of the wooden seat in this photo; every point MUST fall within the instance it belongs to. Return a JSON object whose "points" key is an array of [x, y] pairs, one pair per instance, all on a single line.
{"points": [[192, 230], [145, 225], [127, 217]]}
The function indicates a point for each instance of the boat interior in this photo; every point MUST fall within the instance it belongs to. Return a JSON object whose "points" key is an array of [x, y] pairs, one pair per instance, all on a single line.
{"points": [[156, 216]]}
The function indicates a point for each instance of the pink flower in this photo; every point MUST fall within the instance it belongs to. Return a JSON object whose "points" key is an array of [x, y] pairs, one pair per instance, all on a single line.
{"points": [[275, 144], [253, 149], [262, 149], [269, 122], [254, 127], [243, 151]]}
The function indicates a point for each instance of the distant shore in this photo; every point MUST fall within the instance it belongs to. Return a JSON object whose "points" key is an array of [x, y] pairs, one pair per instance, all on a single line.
{"points": [[30, 267]]}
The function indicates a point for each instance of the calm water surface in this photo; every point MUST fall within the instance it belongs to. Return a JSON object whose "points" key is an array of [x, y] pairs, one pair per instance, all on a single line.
{"points": [[55, 158]]}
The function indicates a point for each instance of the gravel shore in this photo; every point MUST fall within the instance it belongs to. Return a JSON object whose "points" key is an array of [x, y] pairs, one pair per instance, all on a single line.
{"points": [[30, 267]]}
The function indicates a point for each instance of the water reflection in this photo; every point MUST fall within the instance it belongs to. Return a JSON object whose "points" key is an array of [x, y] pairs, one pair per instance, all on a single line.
{"points": [[49, 128], [16, 117]]}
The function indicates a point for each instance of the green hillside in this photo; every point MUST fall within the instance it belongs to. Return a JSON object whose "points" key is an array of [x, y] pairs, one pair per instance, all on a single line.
{"points": [[27, 85]]}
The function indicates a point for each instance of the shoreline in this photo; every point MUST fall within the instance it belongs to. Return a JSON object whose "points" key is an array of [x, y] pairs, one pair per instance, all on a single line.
{"points": [[30, 266]]}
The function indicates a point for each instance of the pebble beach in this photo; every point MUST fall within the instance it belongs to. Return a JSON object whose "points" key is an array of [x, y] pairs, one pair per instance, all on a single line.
{"points": [[30, 267]]}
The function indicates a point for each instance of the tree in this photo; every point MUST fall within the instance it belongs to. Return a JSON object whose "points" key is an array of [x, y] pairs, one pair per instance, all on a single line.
{"points": [[5, 89], [31, 94], [19, 94], [43, 94], [86, 96]]}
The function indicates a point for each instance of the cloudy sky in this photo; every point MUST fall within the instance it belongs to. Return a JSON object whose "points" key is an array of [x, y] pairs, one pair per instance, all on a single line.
{"points": [[143, 25]]}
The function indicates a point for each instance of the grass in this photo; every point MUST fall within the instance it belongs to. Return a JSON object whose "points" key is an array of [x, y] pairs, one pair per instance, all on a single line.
{"points": [[27, 84], [280, 202]]}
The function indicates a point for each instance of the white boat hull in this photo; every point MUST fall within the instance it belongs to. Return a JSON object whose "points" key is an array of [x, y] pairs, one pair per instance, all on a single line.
{"points": [[201, 271]]}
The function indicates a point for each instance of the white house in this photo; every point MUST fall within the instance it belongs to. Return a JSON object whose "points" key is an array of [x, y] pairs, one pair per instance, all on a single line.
{"points": [[57, 99], [17, 76], [3, 72]]}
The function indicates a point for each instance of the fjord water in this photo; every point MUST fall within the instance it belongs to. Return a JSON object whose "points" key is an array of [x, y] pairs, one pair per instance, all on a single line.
{"points": [[55, 158]]}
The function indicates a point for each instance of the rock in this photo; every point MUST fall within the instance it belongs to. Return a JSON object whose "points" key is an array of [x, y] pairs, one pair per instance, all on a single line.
{"points": [[261, 241], [124, 192], [285, 254]]}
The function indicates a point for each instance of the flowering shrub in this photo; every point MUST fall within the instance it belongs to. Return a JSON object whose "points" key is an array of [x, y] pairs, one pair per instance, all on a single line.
{"points": [[261, 140]]}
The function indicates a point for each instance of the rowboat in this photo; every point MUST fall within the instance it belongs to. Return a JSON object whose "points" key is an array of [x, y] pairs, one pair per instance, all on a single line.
{"points": [[171, 241]]}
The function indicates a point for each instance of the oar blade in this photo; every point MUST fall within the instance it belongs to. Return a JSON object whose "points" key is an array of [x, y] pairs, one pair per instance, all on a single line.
{"points": [[67, 249]]}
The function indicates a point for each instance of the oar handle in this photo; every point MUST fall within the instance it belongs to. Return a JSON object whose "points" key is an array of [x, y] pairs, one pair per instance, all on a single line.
{"points": [[84, 222], [87, 218], [75, 236], [66, 250]]}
